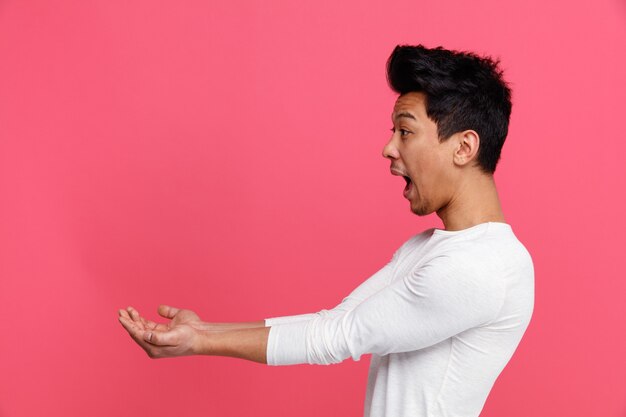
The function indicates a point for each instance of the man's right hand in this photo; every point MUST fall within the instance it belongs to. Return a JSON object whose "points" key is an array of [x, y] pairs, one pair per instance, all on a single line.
{"points": [[186, 334], [179, 337]]}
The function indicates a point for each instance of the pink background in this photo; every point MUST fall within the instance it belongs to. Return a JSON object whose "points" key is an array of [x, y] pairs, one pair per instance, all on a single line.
{"points": [[225, 156]]}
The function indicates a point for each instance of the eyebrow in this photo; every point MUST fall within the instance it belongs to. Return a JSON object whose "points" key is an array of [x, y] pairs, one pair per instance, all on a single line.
{"points": [[404, 114]]}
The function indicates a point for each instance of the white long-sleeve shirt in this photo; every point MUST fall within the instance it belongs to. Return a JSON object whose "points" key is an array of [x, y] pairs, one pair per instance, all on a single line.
{"points": [[441, 321]]}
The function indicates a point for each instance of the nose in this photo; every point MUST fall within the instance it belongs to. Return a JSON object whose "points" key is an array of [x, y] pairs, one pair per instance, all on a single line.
{"points": [[389, 150]]}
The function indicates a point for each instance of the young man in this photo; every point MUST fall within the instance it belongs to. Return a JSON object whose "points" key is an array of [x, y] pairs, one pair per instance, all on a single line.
{"points": [[445, 315]]}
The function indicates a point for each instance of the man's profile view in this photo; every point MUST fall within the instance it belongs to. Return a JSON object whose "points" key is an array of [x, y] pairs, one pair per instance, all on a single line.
{"points": [[443, 317]]}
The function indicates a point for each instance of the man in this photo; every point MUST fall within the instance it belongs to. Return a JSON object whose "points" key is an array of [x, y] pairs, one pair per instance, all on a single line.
{"points": [[445, 315]]}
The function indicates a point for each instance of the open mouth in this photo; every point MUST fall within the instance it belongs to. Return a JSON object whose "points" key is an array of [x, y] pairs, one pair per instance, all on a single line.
{"points": [[408, 185]]}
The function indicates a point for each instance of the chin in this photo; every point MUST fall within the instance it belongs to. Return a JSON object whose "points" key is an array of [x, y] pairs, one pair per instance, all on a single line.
{"points": [[421, 210]]}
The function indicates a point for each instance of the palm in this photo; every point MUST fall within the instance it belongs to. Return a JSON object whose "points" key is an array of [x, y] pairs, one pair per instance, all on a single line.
{"points": [[179, 319], [174, 338], [183, 318]]}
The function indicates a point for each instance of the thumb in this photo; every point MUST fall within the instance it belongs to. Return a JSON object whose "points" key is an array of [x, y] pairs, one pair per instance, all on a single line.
{"points": [[167, 311]]}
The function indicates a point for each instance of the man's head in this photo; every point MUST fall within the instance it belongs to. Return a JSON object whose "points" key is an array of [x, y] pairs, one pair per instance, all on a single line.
{"points": [[450, 121]]}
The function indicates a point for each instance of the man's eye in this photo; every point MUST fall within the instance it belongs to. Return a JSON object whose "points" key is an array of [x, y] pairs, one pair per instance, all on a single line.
{"points": [[403, 132]]}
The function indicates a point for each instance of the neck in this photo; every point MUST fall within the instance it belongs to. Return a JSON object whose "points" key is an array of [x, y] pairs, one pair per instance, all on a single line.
{"points": [[475, 201]]}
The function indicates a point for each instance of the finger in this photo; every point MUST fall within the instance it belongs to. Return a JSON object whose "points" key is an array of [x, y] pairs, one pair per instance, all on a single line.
{"points": [[138, 335], [155, 337], [167, 311], [132, 328], [134, 314], [150, 325], [158, 326], [123, 313]]}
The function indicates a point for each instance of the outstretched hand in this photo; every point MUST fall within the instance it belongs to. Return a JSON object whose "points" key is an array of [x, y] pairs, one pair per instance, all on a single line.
{"points": [[186, 334], [178, 337]]}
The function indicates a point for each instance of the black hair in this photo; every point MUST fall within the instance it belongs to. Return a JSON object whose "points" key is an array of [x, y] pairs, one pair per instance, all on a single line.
{"points": [[463, 91]]}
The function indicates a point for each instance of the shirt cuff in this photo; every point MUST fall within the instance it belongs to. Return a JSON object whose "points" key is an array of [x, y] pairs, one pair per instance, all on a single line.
{"points": [[286, 344]]}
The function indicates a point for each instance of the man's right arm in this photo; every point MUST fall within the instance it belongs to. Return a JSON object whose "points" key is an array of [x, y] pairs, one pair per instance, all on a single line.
{"points": [[188, 334]]}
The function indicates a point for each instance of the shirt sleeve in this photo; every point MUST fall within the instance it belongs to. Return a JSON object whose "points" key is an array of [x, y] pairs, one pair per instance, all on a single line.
{"points": [[445, 296], [370, 286]]}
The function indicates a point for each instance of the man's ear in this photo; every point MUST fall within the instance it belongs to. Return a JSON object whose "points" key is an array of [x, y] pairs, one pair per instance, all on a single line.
{"points": [[466, 150]]}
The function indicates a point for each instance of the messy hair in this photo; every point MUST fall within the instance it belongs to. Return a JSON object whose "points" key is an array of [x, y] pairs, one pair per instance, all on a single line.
{"points": [[463, 91]]}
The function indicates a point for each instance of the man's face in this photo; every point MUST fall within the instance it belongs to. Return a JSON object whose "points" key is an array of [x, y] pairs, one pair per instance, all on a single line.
{"points": [[417, 155]]}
